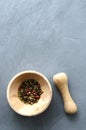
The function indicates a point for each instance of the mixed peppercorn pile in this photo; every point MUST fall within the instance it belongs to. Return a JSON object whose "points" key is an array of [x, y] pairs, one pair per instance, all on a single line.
{"points": [[29, 91]]}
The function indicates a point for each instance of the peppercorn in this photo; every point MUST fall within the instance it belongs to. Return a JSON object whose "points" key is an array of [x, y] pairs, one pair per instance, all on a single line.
{"points": [[29, 91]]}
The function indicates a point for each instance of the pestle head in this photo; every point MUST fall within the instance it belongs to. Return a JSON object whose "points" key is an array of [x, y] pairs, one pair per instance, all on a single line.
{"points": [[60, 79]]}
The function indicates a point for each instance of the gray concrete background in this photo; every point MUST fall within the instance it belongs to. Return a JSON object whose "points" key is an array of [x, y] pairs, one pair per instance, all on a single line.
{"points": [[48, 36]]}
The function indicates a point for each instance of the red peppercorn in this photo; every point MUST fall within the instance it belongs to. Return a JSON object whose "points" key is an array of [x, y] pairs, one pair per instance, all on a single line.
{"points": [[39, 85], [27, 90], [34, 93], [37, 96], [28, 93], [20, 88]]}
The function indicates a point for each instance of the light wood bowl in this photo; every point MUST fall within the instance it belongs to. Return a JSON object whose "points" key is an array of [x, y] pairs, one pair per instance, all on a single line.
{"points": [[26, 109]]}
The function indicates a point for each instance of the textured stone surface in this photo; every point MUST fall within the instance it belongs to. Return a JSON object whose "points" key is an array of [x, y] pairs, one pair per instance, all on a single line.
{"points": [[48, 36]]}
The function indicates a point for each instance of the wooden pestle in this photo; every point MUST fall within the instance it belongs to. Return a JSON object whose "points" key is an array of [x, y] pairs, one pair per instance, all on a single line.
{"points": [[61, 81]]}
